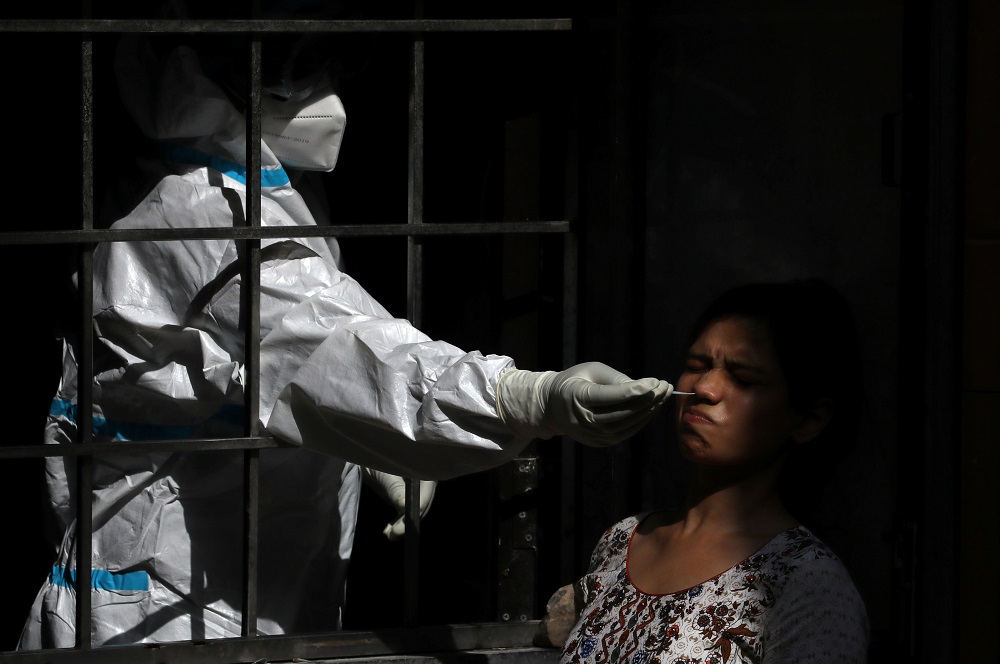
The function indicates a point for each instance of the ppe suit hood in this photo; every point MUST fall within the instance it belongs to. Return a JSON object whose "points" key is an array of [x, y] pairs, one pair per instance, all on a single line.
{"points": [[171, 98]]}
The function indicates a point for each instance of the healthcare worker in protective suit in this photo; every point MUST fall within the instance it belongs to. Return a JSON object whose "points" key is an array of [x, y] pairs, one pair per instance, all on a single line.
{"points": [[353, 387]]}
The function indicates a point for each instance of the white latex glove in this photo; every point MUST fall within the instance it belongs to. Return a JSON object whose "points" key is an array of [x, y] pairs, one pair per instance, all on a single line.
{"points": [[392, 489], [591, 403]]}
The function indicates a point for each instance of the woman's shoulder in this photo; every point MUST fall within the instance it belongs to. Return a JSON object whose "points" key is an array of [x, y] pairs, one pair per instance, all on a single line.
{"points": [[799, 558], [620, 532], [612, 546], [810, 585], [628, 524], [799, 545]]}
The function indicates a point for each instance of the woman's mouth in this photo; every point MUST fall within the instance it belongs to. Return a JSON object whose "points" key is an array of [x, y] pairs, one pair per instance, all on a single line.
{"points": [[695, 416]]}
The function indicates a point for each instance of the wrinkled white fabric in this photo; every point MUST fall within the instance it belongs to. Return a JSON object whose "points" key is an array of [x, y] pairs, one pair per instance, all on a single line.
{"points": [[339, 376]]}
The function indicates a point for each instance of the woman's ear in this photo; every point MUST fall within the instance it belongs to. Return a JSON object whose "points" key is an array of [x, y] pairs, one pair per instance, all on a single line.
{"points": [[814, 420]]}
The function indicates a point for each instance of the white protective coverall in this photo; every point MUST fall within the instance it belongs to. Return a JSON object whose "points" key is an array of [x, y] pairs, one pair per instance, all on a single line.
{"points": [[339, 376]]}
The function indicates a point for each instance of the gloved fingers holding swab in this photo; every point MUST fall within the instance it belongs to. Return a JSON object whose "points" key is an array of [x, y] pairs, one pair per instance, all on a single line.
{"points": [[591, 403]]}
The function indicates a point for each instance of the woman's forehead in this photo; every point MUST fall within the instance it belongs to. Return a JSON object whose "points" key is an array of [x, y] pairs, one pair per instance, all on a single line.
{"points": [[736, 338]]}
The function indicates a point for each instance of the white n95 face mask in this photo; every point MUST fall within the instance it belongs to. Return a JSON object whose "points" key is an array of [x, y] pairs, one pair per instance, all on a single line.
{"points": [[305, 134]]}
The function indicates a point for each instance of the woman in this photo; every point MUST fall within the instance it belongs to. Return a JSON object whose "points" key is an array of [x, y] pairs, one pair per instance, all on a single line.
{"points": [[734, 576]]}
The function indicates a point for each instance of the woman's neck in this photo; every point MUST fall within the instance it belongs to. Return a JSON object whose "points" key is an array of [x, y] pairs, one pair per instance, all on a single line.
{"points": [[720, 501]]}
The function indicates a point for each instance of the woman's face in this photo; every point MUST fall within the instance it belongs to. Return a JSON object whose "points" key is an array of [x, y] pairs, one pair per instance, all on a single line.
{"points": [[740, 413]]}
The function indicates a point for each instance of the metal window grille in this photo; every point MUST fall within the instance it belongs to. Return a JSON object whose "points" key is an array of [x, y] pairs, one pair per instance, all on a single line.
{"points": [[512, 626]]}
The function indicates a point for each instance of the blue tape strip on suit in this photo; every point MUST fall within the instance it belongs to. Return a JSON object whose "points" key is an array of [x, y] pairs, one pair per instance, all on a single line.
{"points": [[269, 177], [121, 430], [101, 579]]}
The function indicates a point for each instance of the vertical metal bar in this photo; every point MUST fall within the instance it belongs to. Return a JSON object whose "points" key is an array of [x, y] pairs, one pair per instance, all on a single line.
{"points": [[416, 182], [84, 463], [414, 305], [517, 502], [250, 292], [251, 504], [568, 467], [628, 227], [568, 470], [411, 553]]}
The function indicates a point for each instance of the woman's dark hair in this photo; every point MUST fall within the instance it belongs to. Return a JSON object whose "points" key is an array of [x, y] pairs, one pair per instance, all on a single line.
{"points": [[816, 344]]}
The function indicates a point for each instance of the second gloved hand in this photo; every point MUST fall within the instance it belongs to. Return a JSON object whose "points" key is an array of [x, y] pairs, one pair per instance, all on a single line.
{"points": [[590, 402], [392, 489]]}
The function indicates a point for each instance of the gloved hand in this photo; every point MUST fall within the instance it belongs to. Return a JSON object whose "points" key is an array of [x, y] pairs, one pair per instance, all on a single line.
{"points": [[591, 403], [392, 489]]}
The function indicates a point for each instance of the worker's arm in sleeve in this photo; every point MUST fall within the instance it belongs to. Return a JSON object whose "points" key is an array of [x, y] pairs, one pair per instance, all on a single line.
{"points": [[347, 379], [379, 392], [338, 374]]}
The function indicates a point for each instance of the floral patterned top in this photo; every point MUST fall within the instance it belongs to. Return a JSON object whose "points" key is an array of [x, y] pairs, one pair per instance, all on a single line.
{"points": [[791, 601]]}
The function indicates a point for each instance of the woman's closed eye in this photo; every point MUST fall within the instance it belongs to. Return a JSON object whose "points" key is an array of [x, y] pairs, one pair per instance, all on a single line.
{"points": [[745, 379], [697, 365], [748, 374]]}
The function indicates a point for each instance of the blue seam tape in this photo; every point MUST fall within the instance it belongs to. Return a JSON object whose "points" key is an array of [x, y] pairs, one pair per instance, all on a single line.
{"points": [[101, 579], [269, 177], [121, 430]]}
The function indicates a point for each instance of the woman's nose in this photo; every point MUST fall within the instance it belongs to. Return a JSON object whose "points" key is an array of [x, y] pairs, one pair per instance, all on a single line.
{"points": [[707, 386]]}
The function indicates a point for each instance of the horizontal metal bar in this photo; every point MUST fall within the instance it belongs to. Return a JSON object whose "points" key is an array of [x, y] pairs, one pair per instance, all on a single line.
{"points": [[262, 26], [278, 232], [432, 639], [142, 447]]}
